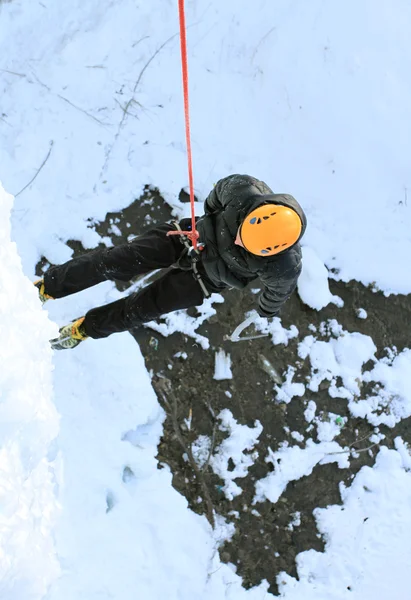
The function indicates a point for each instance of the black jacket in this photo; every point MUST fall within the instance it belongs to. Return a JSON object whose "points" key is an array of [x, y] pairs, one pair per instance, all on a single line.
{"points": [[228, 264]]}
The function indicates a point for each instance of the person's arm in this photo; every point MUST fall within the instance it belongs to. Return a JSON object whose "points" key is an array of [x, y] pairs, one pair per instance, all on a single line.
{"points": [[278, 287], [213, 201]]}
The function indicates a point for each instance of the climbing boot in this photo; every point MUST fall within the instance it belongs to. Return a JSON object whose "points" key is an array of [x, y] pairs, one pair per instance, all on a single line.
{"points": [[42, 294], [70, 336]]}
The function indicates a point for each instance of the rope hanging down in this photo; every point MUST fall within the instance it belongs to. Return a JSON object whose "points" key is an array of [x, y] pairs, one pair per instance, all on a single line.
{"points": [[193, 234]]}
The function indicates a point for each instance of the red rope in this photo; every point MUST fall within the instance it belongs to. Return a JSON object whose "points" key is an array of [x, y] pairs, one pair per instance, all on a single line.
{"points": [[193, 234]]}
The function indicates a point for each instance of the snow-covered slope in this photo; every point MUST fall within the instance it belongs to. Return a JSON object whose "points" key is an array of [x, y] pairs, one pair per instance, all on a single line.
{"points": [[85, 511], [28, 425]]}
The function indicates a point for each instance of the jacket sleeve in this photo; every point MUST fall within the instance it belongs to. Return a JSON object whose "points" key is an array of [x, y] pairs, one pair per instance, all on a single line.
{"points": [[278, 287], [216, 199]]}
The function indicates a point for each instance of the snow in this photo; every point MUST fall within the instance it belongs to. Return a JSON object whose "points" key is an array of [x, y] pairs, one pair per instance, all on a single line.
{"points": [[180, 321], [295, 522], [237, 448], [404, 451], [273, 327], [328, 426], [391, 401], [91, 113], [356, 564], [289, 389], [201, 450], [28, 425], [345, 356], [86, 512], [342, 357], [292, 462], [297, 436], [312, 286], [310, 411]]}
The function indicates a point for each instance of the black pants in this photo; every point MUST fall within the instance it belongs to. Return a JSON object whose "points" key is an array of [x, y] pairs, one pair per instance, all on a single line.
{"points": [[175, 289]]}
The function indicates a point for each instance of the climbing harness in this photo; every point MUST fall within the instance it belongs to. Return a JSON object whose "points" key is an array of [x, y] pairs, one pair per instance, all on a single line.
{"points": [[236, 335], [194, 255]]}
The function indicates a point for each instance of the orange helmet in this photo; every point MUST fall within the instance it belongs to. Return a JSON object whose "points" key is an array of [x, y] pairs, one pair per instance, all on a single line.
{"points": [[269, 229]]}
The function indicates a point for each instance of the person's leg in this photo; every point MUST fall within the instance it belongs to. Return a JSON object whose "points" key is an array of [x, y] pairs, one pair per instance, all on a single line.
{"points": [[149, 251], [176, 289]]}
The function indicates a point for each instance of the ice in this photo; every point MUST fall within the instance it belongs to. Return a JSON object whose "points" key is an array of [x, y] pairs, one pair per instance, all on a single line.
{"points": [[222, 369]]}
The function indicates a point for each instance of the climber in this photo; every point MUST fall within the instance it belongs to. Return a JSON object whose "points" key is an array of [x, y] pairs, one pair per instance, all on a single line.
{"points": [[247, 233]]}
